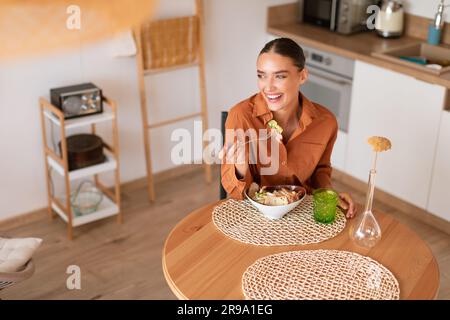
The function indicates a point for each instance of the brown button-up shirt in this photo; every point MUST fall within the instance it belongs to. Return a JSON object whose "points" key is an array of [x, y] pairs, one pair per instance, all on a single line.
{"points": [[303, 160]]}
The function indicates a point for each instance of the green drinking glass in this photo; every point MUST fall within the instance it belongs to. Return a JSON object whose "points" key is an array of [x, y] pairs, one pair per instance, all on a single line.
{"points": [[325, 205]]}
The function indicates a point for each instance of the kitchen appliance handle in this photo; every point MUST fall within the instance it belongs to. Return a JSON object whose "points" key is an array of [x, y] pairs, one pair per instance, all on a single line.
{"points": [[334, 8], [340, 82]]}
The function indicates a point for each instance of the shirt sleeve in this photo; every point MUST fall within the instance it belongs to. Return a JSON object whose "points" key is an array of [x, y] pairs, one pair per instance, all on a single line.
{"points": [[234, 186], [321, 178]]}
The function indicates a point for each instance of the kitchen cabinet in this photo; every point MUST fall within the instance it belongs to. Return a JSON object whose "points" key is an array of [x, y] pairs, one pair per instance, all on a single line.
{"points": [[339, 151], [439, 201], [408, 112]]}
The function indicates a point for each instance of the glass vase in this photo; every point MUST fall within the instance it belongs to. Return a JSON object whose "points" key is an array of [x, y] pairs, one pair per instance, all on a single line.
{"points": [[365, 231]]}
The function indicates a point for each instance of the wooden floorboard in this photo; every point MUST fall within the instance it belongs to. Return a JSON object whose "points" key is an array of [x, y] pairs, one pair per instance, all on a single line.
{"points": [[124, 261]]}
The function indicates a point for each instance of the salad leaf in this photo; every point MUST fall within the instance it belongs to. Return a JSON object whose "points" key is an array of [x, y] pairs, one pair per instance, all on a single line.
{"points": [[274, 125]]}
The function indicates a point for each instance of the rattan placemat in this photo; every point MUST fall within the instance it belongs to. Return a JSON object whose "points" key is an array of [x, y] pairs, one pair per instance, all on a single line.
{"points": [[241, 221], [319, 274]]}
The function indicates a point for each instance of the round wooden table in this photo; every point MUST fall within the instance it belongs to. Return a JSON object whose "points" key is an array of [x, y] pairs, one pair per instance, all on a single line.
{"points": [[200, 262]]}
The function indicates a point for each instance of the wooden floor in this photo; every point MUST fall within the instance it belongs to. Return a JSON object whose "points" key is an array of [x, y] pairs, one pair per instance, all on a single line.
{"points": [[124, 261]]}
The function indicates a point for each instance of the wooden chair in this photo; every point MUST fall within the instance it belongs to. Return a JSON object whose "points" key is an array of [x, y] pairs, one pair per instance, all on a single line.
{"points": [[222, 192]]}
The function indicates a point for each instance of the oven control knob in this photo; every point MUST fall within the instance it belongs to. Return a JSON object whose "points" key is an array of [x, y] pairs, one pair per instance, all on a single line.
{"points": [[327, 61], [345, 6], [343, 19]]}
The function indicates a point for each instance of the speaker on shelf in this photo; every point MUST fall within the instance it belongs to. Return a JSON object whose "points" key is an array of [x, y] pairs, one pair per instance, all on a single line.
{"points": [[78, 100]]}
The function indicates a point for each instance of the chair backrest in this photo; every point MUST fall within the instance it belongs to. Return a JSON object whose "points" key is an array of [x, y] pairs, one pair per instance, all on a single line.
{"points": [[224, 115]]}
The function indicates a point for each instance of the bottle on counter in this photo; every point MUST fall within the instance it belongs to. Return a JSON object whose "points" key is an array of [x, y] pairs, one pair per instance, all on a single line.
{"points": [[435, 29]]}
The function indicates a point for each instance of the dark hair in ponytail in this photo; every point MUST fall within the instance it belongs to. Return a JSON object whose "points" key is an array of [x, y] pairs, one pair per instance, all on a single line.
{"points": [[287, 48]]}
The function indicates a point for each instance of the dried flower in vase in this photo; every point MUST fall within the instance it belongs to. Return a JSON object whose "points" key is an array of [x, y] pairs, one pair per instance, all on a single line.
{"points": [[379, 144], [365, 231]]}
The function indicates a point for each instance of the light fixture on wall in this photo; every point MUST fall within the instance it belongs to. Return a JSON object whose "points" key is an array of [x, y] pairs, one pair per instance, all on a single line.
{"points": [[30, 27]]}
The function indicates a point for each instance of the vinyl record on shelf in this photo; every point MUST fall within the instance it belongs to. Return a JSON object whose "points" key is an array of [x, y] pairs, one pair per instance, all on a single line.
{"points": [[84, 150]]}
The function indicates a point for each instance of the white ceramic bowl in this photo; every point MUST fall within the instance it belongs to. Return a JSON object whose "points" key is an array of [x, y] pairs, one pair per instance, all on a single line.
{"points": [[277, 212]]}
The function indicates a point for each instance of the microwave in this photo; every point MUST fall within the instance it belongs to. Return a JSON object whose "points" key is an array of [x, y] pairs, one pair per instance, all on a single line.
{"points": [[342, 16]]}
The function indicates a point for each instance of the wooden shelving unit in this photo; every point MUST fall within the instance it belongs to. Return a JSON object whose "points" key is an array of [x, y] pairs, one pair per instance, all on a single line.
{"points": [[110, 204]]}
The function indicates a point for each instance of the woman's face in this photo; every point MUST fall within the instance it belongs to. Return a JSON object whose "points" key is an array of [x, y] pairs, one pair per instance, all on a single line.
{"points": [[279, 80]]}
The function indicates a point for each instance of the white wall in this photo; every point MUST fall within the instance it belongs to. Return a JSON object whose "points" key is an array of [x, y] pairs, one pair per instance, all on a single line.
{"points": [[235, 31], [425, 8]]}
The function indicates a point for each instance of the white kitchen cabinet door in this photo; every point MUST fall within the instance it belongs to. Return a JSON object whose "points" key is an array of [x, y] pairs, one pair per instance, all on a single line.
{"points": [[405, 110], [339, 151], [439, 203]]}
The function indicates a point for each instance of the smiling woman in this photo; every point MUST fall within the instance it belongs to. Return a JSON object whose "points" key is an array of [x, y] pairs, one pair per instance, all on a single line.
{"points": [[309, 130]]}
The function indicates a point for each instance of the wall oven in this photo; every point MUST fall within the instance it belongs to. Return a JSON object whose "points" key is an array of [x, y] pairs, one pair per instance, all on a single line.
{"points": [[330, 83]]}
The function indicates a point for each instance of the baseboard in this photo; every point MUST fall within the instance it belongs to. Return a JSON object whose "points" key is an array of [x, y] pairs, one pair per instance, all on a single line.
{"points": [[22, 219], [39, 214], [401, 205]]}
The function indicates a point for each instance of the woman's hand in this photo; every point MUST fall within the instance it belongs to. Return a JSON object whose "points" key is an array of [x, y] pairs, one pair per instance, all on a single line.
{"points": [[232, 154], [346, 203]]}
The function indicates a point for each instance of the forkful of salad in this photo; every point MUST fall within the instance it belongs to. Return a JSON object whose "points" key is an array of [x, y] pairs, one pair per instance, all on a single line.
{"points": [[276, 129]]}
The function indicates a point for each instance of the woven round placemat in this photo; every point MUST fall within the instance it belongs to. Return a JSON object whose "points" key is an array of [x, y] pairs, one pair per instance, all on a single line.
{"points": [[241, 221], [319, 274]]}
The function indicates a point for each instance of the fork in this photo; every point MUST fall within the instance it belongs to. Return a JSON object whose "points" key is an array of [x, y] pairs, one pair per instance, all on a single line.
{"points": [[273, 132]]}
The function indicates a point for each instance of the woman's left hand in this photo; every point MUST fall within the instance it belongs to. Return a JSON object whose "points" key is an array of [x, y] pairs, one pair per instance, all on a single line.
{"points": [[346, 203]]}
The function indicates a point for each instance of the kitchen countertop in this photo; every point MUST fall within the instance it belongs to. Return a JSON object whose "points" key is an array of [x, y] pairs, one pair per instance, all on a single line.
{"points": [[357, 46]]}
